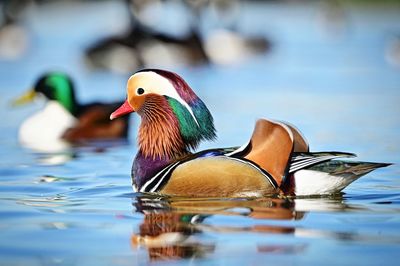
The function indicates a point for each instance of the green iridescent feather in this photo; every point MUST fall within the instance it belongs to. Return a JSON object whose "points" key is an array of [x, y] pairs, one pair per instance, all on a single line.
{"points": [[191, 132]]}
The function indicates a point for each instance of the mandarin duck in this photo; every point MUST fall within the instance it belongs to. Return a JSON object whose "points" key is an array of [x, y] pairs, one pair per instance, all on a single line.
{"points": [[64, 119], [276, 160]]}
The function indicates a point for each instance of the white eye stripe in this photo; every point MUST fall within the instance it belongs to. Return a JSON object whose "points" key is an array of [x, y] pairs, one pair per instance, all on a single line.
{"points": [[159, 85]]}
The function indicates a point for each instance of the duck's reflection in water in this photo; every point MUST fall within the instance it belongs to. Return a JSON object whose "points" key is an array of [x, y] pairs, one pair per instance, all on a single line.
{"points": [[172, 227], [71, 151], [167, 236]]}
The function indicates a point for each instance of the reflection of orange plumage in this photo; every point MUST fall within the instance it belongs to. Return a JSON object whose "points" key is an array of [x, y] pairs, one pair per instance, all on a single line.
{"points": [[263, 208], [168, 223], [161, 229], [279, 210], [155, 224], [164, 235]]}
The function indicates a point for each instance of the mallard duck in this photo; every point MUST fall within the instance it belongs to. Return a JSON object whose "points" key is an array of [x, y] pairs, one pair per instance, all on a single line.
{"points": [[174, 120], [63, 118]]}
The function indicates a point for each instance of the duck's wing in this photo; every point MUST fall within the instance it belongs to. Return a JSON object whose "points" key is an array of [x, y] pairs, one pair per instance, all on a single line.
{"points": [[300, 144], [270, 148], [343, 168], [305, 160]]}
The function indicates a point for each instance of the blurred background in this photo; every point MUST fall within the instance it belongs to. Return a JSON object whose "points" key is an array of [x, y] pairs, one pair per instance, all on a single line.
{"points": [[329, 65], [332, 68]]}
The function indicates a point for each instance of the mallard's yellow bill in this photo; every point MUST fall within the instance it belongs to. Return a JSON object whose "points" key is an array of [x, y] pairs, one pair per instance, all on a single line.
{"points": [[25, 98]]}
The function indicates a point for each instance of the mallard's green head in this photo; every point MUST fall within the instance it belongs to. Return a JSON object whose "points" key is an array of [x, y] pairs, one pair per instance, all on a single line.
{"points": [[57, 86]]}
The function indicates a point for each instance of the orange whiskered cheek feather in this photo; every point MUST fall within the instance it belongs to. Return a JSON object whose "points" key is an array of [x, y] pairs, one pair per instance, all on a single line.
{"points": [[138, 102], [159, 134]]}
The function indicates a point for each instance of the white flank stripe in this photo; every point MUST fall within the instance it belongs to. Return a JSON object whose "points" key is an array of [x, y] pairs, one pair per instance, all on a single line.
{"points": [[300, 162], [311, 161], [162, 178], [144, 187], [302, 165]]}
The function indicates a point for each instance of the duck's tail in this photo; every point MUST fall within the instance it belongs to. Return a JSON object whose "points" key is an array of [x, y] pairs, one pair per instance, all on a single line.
{"points": [[328, 177]]}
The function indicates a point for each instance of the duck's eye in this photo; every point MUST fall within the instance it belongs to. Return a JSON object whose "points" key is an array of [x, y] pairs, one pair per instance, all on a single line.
{"points": [[140, 91]]}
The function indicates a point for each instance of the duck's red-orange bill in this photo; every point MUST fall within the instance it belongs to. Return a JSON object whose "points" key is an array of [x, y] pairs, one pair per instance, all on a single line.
{"points": [[124, 109]]}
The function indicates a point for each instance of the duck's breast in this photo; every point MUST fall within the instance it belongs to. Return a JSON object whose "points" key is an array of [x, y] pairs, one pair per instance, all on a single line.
{"points": [[219, 176]]}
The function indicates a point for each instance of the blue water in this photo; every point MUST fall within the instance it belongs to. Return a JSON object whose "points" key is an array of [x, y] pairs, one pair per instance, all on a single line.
{"points": [[339, 88]]}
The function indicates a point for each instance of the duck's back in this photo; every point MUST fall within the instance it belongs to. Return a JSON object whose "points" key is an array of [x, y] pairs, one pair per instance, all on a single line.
{"points": [[94, 123]]}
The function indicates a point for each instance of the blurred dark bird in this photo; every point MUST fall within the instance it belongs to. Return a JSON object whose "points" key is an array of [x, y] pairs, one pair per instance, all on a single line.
{"points": [[392, 50], [144, 45], [224, 43], [141, 45], [63, 119]]}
